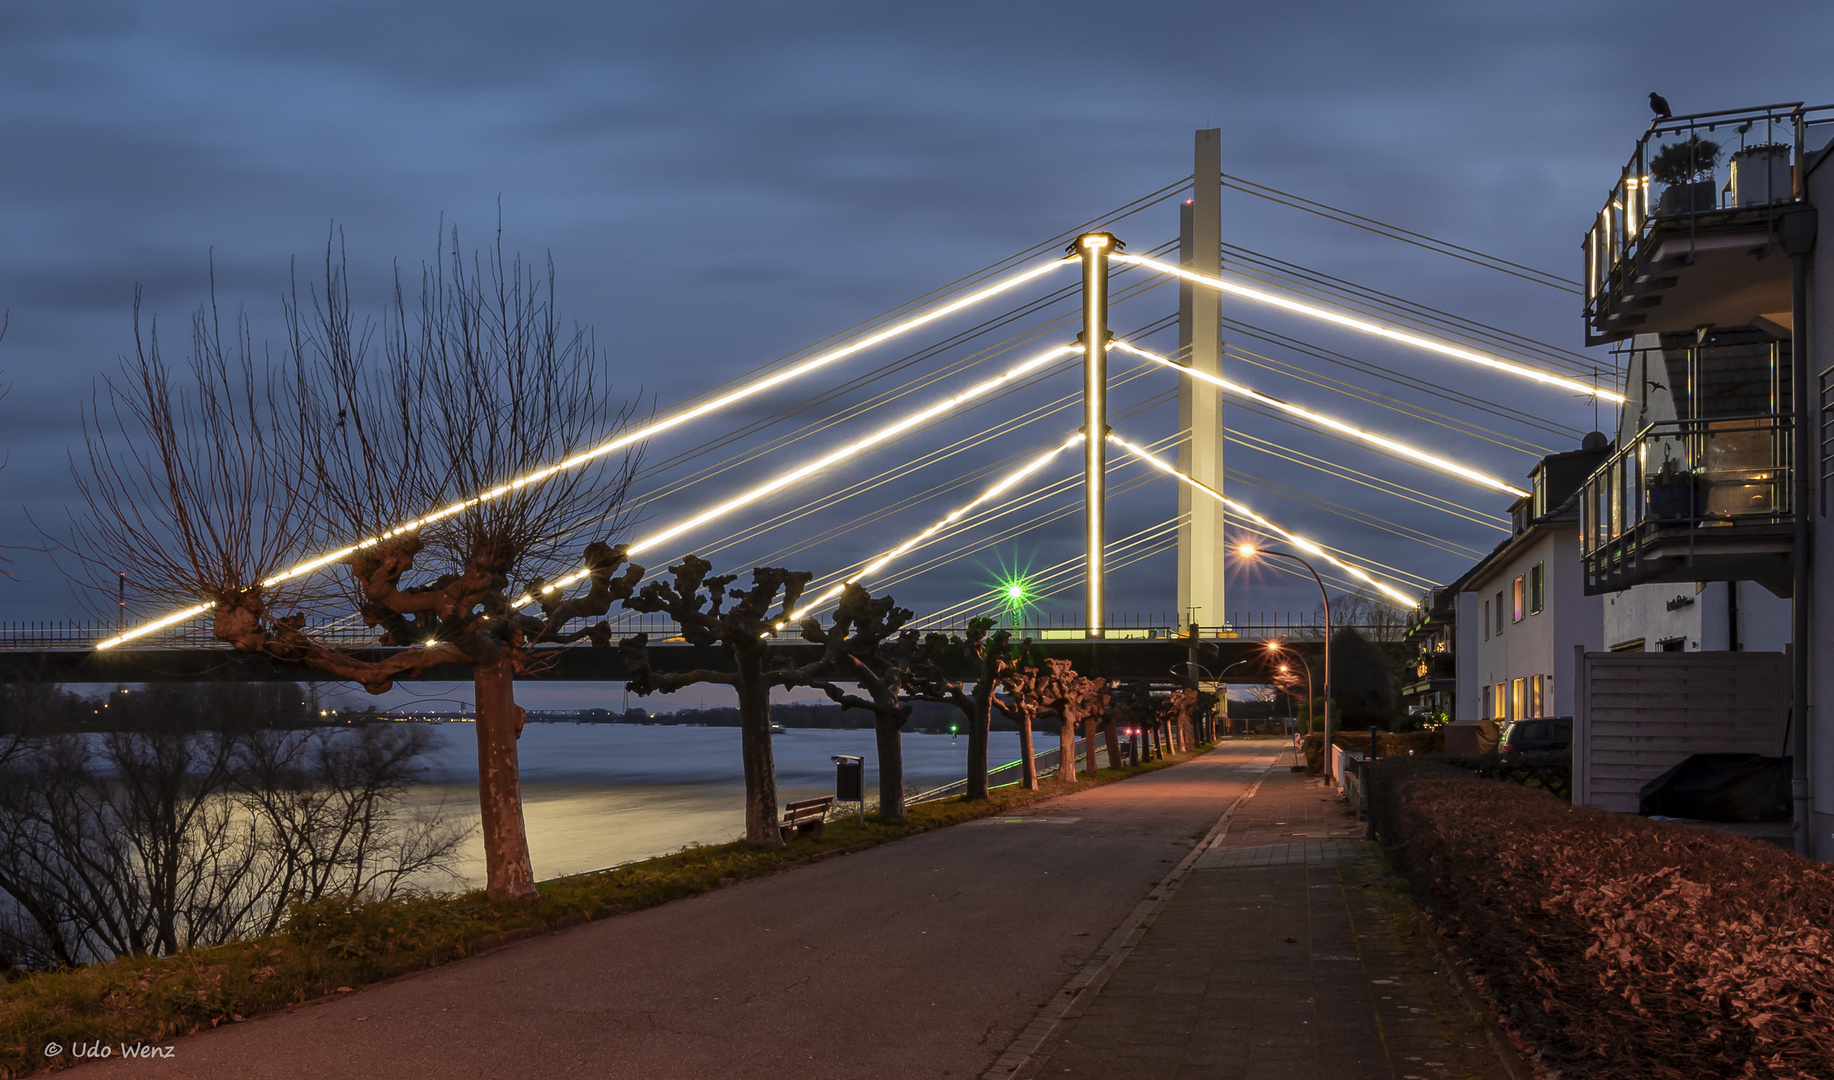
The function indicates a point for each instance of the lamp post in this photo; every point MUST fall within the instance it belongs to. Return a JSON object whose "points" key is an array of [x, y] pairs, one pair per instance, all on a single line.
{"points": [[1275, 647], [1220, 680], [1223, 682], [1249, 551]]}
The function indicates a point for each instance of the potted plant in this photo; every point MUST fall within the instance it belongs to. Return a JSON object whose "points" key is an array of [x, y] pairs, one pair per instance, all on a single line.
{"points": [[1672, 493], [1686, 170], [1760, 174]]}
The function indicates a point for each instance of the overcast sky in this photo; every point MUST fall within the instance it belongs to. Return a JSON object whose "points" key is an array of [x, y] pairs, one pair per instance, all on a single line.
{"points": [[723, 184]]}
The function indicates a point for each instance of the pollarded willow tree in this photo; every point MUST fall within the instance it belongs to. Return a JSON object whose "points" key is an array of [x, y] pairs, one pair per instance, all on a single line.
{"points": [[936, 675], [213, 481], [697, 601], [874, 652]]}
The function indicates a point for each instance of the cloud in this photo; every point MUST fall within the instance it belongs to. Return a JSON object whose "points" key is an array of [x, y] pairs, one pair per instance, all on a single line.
{"points": [[722, 184]]}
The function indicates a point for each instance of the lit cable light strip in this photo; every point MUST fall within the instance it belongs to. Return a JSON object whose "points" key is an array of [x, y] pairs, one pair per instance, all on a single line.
{"points": [[1364, 326], [955, 515], [620, 442], [783, 480], [1412, 453], [1296, 540]]}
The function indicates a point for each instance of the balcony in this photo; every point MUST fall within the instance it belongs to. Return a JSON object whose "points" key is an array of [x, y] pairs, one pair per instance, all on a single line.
{"points": [[1692, 235], [1691, 500]]}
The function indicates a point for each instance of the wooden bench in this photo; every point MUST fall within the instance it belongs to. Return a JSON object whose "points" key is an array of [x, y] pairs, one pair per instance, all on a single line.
{"points": [[804, 817]]}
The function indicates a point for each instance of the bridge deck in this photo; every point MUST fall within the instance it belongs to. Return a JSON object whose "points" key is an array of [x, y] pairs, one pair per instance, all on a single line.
{"points": [[1157, 659]]}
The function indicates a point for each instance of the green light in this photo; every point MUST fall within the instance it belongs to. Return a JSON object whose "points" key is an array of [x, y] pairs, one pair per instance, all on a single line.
{"points": [[1018, 595]]}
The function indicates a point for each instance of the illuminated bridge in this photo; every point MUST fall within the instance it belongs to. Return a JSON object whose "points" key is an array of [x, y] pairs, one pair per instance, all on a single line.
{"points": [[1084, 299]]}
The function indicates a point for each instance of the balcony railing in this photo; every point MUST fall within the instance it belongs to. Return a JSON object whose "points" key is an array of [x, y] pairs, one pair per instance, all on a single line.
{"points": [[1693, 483], [1693, 172]]}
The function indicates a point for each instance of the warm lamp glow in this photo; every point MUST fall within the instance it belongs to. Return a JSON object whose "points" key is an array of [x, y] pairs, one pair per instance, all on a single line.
{"points": [[1246, 551]]}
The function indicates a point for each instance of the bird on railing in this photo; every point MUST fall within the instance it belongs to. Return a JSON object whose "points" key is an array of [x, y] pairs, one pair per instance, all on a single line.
{"points": [[1659, 105]]}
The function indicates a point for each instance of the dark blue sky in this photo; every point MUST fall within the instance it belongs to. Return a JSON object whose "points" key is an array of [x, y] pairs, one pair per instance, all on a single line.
{"points": [[723, 184]]}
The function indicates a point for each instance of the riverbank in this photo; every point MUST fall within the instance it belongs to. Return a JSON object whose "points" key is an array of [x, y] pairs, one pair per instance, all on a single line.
{"points": [[599, 795], [335, 949]]}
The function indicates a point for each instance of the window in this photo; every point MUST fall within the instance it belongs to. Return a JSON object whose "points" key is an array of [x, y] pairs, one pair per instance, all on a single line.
{"points": [[1502, 701], [1499, 611], [1518, 693], [1518, 599], [1535, 701], [1537, 588], [1487, 701], [1486, 626]]}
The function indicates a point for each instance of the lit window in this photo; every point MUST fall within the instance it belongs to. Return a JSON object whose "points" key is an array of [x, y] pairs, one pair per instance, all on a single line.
{"points": [[1518, 596], [1518, 693]]}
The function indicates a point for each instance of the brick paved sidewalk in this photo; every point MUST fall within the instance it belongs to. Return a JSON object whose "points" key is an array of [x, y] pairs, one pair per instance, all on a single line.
{"points": [[1285, 951]]}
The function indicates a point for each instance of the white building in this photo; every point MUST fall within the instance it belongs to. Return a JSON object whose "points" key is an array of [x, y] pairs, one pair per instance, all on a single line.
{"points": [[1709, 616], [1707, 260], [1524, 606]]}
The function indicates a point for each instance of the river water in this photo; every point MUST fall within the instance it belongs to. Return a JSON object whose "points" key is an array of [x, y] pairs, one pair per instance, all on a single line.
{"points": [[596, 795]]}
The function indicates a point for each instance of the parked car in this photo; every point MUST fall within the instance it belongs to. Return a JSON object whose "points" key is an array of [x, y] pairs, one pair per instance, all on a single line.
{"points": [[1537, 736]]}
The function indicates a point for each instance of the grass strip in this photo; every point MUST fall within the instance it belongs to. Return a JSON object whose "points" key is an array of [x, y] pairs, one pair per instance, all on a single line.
{"points": [[334, 947]]}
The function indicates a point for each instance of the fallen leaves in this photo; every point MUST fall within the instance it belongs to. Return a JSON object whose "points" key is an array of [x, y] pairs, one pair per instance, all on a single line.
{"points": [[1624, 948]]}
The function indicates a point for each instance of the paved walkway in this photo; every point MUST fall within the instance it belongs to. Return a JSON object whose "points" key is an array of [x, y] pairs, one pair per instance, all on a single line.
{"points": [[1283, 951], [922, 958]]}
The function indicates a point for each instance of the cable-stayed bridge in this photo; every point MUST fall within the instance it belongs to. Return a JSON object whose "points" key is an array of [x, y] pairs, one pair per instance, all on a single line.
{"points": [[1073, 301]]}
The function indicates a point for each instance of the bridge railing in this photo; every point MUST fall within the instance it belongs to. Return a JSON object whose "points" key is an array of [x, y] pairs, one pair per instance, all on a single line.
{"points": [[42, 635]]}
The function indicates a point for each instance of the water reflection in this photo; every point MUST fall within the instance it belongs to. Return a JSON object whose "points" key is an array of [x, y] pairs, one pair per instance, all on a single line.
{"points": [[596, 795]]}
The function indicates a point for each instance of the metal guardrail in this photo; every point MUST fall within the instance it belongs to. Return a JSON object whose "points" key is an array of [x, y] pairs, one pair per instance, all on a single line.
{"points": [[1688, 172], [1011, 773], [28, 635], [1688, 474]]}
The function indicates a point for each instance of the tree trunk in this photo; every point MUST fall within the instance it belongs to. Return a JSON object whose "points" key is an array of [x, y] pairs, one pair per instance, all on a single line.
{"points": [[1115, 760], [1066, 751], [1030, 767], [508, 875], [891, 766], [762, 827], [978, 725], [1187, 737], [1089, 745]]}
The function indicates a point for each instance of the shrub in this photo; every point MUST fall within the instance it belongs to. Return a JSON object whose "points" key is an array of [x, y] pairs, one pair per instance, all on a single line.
{"points": [[1618, 947], [1390, 744]]}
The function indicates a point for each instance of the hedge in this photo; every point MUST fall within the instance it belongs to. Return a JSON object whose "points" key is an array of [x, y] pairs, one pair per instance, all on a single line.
{"points": [[1617, 947], [1391, 744]]}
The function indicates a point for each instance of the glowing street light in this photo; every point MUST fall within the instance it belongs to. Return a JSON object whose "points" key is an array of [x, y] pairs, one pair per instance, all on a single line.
{"points": [[1275, 648], [1249, 551]]}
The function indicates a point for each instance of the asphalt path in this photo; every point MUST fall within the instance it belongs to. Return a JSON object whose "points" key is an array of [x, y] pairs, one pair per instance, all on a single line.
{"points": [[920, 958]]}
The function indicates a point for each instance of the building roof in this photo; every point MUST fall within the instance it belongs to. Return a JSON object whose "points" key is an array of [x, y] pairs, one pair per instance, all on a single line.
{"points": [[1564, 516]]}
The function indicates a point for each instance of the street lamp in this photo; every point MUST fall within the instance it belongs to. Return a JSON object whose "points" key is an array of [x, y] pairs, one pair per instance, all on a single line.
{"points": [[1221, 680], [1249, 551], [1275, 647]]}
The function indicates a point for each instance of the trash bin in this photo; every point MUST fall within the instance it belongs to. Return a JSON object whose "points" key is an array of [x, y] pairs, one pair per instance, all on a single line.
{"points": [[849, 778]]}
